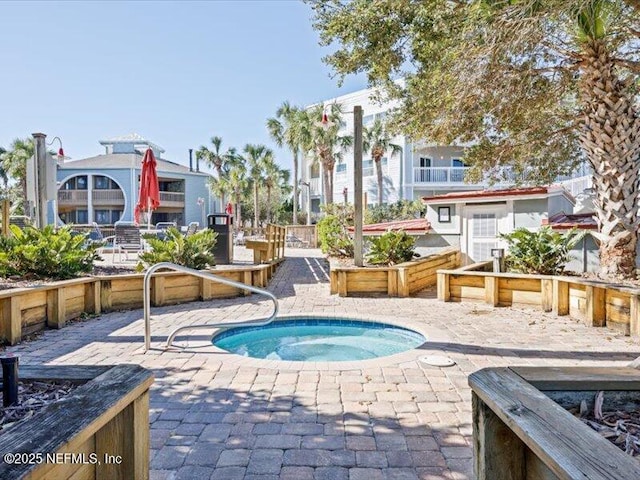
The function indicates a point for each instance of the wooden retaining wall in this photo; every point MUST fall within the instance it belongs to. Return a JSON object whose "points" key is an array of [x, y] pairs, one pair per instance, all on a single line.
{"points": [[400, 280], [597, 304], [24, 311]]}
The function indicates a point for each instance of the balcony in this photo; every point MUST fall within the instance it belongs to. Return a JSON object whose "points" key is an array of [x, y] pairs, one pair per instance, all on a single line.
{"points": [[107, 197], [315, 186], [439, 175], [172, 199], [72, 197]]}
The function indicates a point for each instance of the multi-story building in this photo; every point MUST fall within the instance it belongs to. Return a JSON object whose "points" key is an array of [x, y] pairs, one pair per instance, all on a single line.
{"points": [[104, 188], [421, 169]]}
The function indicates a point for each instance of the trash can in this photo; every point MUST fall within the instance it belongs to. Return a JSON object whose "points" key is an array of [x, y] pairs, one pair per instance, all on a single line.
{"points": [[222, 224]]}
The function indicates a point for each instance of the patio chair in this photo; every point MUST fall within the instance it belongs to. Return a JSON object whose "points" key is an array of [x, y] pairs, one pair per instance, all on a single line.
{"points": [[162, 228], [239, 238], [127, 239], [191, 229]]}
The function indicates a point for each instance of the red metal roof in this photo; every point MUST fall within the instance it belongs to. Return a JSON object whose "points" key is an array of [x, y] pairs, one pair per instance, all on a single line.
{"points": [[566, 221], [506, 192], [417, 225]]}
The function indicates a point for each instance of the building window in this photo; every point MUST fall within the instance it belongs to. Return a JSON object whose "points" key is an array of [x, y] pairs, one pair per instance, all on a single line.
{"points": [[457, 163], [368, 166], [425, 162], [82, 217], [315, 171], [341, 168], [103, 183], [367, 119], [102, 217], [116, 215], [444, 214], [76, 183]]}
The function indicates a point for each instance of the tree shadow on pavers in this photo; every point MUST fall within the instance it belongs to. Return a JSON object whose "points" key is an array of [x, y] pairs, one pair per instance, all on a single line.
{"points": [[471, 349], [203, 428], [303, 271]]}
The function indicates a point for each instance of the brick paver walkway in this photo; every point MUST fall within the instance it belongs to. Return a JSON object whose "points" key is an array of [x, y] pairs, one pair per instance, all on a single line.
{"points": [[213, 416]]}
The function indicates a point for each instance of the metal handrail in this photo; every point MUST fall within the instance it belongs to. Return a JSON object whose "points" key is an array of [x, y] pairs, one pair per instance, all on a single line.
{"points": [[207, 276]]}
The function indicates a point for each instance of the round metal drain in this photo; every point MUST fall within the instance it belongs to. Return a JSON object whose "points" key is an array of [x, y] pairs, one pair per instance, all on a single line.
{"points": [[437, 361]]}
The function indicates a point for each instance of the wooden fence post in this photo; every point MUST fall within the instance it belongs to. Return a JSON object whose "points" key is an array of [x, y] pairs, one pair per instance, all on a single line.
{"points": [[92, 297], [206, 287], [403, 283], [560, 297], [596, 307], [157, 291], [634, 315], [56, 308], [342, 283], [105, 295], [392, 282], [247, 277]]}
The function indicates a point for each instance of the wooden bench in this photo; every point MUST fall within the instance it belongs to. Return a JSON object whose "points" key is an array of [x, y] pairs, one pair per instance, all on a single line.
{"points": [[271, 249]]}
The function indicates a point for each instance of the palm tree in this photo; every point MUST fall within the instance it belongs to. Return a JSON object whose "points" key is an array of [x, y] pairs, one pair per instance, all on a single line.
{"points": [[4, 175], [219, 161], [274, 177], [236, 184], [14, 162], [323, 143], [377, 140], [256, 157], [285, 129]]}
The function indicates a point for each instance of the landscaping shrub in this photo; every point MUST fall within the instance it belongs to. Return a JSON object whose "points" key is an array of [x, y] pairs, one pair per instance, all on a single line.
{"points": [[194, 251], [47, 253], [391, 248], [400, 210], [543, 252], [334, 237]]}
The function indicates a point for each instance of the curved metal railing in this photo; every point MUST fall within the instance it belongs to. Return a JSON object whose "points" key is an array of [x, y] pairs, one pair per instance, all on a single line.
{"points": [[207, 276]]}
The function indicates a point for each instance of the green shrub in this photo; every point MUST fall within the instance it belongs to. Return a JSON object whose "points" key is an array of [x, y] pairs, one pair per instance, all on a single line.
{"points": [[391, 248], [47, 253], [543, 252], [400, 210], [194, 251], [334, 236]]}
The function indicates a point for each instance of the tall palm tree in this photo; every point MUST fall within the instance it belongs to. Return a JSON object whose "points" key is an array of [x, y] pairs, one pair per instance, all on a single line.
{"points": [[256, 157], [4, 175], [285, 129], [217, 160], [14, 162], [377, 141], [323, 143]]}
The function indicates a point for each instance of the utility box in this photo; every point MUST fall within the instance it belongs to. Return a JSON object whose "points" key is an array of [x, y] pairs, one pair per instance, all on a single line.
{"points": [[222, 224]]}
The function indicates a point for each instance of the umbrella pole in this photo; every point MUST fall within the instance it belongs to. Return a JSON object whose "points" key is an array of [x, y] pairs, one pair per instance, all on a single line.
{"points": [[148, 214]]}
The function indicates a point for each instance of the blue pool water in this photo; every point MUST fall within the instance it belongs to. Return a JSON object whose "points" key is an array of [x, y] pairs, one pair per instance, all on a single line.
{"points": [[319, 339]]}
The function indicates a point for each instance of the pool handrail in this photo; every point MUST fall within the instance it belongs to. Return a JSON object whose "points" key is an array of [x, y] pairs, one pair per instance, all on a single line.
{"points": [[207, 276]]}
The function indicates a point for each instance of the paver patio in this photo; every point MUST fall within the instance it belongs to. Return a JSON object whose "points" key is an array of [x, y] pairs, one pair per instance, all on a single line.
{"points": [[219, 416]]}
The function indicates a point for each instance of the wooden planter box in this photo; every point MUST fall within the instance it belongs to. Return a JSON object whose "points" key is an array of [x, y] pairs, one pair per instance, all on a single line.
{"points": [[522, 430], [107, 415], [399, 280]]}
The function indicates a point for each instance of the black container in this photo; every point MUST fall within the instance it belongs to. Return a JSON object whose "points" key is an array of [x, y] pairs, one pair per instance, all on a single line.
{"points": [[9, 380], [222, 224]]}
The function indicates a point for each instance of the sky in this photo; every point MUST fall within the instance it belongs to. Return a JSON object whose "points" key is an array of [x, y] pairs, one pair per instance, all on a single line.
{"points": [[176, 73]]}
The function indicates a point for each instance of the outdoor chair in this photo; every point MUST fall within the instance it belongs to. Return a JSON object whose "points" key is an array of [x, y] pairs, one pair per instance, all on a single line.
{"points": [[21, 221], [162, 228], [191, 229], [239, 238], [127, 239]]}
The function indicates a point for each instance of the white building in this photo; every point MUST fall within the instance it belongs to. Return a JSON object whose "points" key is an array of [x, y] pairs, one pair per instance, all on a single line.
{"points": [[420, 170]]}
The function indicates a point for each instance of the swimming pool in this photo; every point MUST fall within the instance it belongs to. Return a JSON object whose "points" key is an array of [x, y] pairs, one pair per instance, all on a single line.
{"points": [[319, 339]]}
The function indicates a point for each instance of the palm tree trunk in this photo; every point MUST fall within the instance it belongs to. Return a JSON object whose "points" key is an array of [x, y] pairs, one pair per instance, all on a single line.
{"points": [[268, 204], [256, 213], [379, 174], [327, 184], [238, 216], [295, 187], [611, 140]]}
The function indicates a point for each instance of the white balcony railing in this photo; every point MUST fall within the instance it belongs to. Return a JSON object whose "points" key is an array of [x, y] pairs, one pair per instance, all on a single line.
{"points": [[431, 175], [315, 186]]}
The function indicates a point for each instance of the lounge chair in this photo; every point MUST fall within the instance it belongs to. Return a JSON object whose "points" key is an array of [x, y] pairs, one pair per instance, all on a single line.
{"points": [[162, 228], [126, 239], [192, 228]]}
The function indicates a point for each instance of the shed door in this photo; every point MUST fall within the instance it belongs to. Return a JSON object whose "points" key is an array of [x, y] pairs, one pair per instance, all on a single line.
{"points": [[483, 228]]}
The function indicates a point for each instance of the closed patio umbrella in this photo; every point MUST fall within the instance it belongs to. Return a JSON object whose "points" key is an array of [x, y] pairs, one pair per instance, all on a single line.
{"points": [[149, 195]]}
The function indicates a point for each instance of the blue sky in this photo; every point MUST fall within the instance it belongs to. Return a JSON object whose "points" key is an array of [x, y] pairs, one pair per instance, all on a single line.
{"points": [[175, 72]]}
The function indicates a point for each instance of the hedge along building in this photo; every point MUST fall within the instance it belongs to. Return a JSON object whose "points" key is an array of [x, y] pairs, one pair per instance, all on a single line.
{"points": [[104, 189], [473, 221]]}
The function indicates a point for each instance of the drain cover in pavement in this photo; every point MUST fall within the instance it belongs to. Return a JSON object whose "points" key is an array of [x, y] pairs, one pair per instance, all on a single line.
{"points": [[437, 361]]}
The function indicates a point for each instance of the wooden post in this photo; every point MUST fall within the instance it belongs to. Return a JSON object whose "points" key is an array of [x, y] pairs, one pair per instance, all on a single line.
{"points": [[596, 306], [342, 283], [333, 282], [444, 292], [92, 297], [56, 308], [357, 184], [105, 295], [546, 291], [392, 281], [11, 316], [634, 315], [247, 277], [499, 454], [491, 290], [403, 283], [560, 297], [206, 287], [6, 205], [157, 291]]}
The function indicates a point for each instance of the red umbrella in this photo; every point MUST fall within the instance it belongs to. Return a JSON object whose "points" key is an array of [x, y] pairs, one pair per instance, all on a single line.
{"points": [[229, 209], [149, 195]]}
